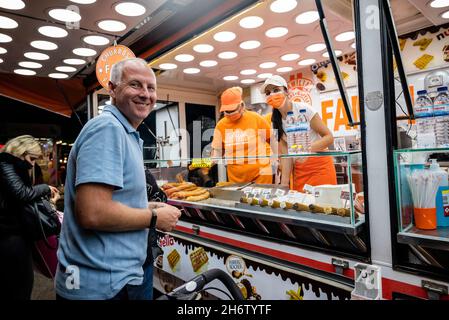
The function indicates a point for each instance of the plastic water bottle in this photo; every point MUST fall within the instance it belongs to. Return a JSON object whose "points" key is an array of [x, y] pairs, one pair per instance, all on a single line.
{"points": [[302, 134], [441, 113], [442, 194], [425, 122], [290, 129]]}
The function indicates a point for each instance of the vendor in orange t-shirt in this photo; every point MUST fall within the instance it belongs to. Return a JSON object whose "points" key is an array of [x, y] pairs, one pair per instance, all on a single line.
{"points": [[242, 138]]}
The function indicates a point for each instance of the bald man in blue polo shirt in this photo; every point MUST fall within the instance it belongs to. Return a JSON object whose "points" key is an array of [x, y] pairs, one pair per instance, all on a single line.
{"points": [[107, 215]]}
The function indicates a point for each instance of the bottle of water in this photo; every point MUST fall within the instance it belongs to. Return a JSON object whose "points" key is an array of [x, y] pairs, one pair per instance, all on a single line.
{"points": [[441, 113], [425, 121], [302, 134], [290, 129]]}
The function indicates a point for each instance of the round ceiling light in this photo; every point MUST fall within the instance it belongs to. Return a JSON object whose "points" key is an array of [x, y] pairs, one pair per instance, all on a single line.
{"points": [[130, 9], [58, 75], [191, 70], [290, 57], [353, 45], [203, 48], [224, 36], [36, 56], [276, 32], [208, 63], [74, 62], [1, 60], [184, 57], [306, 62], [44, 45], [337, 53], [12, 4], [307, 17], [53, 32], [25, 72], [64, 15], [168, 66], [281, 6], [112, 25], [439, 3], [345, 36], [4, 38], [84, 52], [317, 47], [3, 50], [251, 22], [8, 23], [84, 1], [30, 64], [65, 69], [251, 44], [96, 40], [445, 15], [248, 81], [227, 55], [230, 78], [248, 72], [264, 75], [284, 69], [268, 65]]}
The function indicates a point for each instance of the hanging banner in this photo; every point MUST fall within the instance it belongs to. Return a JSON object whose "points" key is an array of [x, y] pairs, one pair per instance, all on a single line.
{"points": [[107, 59]]}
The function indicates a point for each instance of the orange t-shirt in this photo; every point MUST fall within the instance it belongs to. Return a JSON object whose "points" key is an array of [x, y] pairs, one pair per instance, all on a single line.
{"points": [[243, 141], [267, 117]]}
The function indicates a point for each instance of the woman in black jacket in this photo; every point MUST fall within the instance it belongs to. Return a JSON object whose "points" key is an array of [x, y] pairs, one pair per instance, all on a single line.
{"points": [[17, 158]]}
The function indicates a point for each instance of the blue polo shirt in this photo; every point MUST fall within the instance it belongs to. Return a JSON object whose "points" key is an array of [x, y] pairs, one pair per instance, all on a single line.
{"points": [[96, 264]]}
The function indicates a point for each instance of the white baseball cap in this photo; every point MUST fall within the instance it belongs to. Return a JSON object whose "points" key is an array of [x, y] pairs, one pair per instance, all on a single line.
{"points": [[275, 80]]}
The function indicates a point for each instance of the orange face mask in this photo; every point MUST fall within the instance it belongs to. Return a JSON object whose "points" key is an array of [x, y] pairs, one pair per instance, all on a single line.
{"points": [[276, 100]]}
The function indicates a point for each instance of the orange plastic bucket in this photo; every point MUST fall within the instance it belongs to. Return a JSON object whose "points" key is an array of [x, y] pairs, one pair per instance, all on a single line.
{"points": [[425, 218]]}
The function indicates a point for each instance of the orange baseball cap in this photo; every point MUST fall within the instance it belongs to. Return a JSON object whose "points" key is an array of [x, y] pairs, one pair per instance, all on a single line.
{"points": [[231, 98]]}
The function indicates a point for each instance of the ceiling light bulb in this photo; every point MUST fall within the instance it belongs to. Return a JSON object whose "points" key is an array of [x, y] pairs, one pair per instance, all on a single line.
{"points": [[96, 40], [130, 9], [30, 64], [208, 63], [251, 44], [282, 6], [53, 32], [84, 1], [58, 75], [251, 22], [276, 32], [230, 78], [64, 15], [264, 75], [268, 65], [203, 48], [337, 53], [290, 57], [248, 81], [74, 61], [307, 17], [65, 69], [248, 72], [224, 36], [5, 38], [353, 45], [36, 56], [44, 45], [1, 60], [8, 23], [227, 55], [25, 72], [316, 47], [284, 69], [84, 52], [345, 36], [12, 4], [445, 15], [168, 66], [3, 50], [439, 3], [192, 70], [112, 25], [184, 58], [306, 62]]}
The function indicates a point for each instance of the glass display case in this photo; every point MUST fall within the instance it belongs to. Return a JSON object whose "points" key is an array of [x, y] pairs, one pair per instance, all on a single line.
{"points": [[423, 197], [330, 217]]}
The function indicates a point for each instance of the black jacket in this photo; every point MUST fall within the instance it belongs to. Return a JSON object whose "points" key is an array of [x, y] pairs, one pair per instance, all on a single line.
{"points": [[15, 190]]}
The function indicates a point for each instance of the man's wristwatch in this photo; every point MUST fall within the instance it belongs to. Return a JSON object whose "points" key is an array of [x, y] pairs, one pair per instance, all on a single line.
{"points": [[153, 219]]}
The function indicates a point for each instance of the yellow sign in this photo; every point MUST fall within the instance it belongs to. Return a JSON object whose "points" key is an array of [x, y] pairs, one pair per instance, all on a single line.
{"points": [[201, 163], [107, 59]]}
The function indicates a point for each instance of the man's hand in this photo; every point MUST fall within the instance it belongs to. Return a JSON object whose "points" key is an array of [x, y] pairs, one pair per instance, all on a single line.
{"points": [[167, 217], [155, 205]]}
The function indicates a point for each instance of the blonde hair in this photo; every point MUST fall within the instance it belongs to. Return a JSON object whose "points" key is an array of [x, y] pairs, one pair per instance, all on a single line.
{"points": [[22, 145]]}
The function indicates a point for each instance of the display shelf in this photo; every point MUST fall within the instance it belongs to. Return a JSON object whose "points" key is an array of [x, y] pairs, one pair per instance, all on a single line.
{"points": [[436, 239], [410, 150]]}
